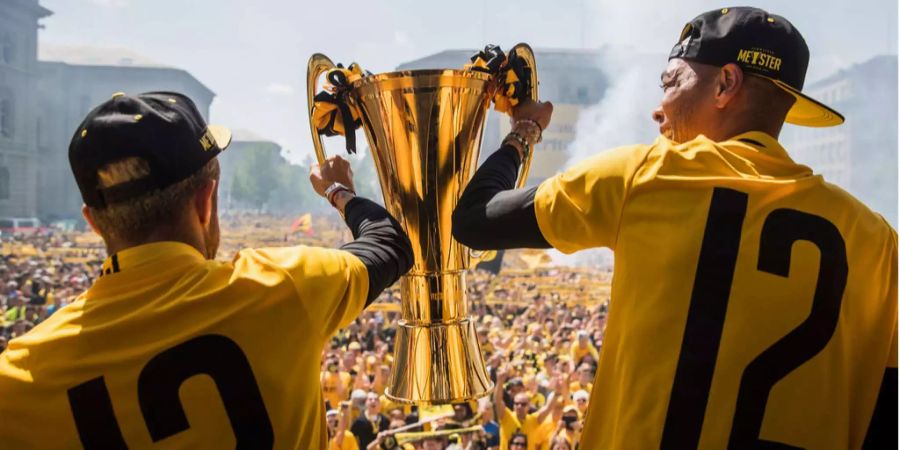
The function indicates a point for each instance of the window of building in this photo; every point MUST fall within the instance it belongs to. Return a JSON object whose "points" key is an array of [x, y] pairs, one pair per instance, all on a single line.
{"points": [[6, 114], [4, 183], [7, 49]]}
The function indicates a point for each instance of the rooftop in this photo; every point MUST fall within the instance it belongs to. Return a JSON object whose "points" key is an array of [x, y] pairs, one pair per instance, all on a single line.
{"points": [[461, 57], [95, 56]]}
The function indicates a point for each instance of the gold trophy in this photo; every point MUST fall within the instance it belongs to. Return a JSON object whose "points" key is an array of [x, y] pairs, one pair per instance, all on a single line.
{"points": [[424, 129]]}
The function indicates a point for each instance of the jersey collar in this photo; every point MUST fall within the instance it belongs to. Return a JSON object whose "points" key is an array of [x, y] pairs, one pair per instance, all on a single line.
{"points": [[766, 156], [762, 140], [147, 254]]}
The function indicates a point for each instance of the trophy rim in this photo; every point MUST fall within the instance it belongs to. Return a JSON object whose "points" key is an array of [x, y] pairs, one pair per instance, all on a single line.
{"points": [[414, 73]]}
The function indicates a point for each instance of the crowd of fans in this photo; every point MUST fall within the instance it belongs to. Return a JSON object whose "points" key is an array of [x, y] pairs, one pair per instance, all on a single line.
{"points": [[541, 347], [540, 329], [41, 272]]}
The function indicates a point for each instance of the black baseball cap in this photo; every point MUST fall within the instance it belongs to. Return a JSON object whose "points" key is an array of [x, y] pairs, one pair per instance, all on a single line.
{"points": [[163, 128], [761, 44]]}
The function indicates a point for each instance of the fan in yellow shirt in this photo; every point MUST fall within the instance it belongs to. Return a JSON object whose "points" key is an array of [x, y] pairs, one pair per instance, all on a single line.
{"points": [[536, 426], [584, 378], [583, 347], [339, 437], [334, 383]]}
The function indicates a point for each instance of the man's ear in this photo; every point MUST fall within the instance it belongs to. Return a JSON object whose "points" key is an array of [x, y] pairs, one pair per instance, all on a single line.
{"points": [[86, 212], [203, 201], [729, 82]]}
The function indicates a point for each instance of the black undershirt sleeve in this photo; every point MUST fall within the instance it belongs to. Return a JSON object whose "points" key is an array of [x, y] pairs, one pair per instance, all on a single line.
{"points": [[491, 214], [379, 242]]}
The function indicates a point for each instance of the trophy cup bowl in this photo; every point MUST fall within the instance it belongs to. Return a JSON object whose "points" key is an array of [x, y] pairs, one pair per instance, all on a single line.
{"points": [[424, 129]]}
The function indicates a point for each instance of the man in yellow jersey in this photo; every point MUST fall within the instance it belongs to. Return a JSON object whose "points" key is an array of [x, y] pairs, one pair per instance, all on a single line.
{"points": [[339, 437], [534, 425], [583, 347], [583, 379], [334, 382], [170, 348], [754, 304]]}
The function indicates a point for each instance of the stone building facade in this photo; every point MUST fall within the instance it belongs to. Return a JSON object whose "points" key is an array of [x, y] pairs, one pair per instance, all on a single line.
{"points": [[18, 114], [71, 82], [861, 155]]}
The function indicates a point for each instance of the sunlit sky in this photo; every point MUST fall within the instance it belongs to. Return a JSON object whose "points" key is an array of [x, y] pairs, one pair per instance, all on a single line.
{"points": [[253, 54]]}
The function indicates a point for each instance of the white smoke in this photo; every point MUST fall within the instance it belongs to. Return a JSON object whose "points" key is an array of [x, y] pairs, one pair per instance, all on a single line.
{"points": [[622, 117]]}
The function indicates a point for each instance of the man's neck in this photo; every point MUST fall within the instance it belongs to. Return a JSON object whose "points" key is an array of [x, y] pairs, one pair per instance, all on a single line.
{"points": [[738, 127], [115, 246]]}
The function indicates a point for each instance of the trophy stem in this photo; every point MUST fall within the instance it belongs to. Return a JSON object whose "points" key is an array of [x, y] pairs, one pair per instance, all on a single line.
{"points": [[431, 298]]}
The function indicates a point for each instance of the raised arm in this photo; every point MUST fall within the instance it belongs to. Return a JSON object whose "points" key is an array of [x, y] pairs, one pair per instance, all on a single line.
{"points": [[379, 241], [499, 406], [342, 425], [550, 404], [491, 214]]}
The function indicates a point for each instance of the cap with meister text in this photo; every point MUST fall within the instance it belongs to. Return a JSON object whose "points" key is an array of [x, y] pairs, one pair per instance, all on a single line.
{"points": [[761, 44], [164, 129]]}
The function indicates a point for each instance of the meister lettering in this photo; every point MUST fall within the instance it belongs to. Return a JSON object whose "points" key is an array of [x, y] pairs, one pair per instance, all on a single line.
{"points": [[207, 140], [759, 59]]}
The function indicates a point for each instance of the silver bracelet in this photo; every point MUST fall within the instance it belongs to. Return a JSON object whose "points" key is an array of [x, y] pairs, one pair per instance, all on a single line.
{"points": [[533, 122]]}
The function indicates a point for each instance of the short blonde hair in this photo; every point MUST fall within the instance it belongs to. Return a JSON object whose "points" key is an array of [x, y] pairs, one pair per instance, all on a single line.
{"points": [[133, 219]]}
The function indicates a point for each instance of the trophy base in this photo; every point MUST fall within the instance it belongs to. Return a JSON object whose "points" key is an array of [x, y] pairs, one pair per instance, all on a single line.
{"points": [[444, 364]]}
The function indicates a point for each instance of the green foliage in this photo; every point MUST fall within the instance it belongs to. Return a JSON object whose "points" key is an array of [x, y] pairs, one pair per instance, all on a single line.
{"points": [[265, 181], [295, 194], [256, 173]]}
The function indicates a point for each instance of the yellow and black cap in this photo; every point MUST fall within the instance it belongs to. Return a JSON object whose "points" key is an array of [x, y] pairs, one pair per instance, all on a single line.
{"points": [[165, 129], [761, 44]]}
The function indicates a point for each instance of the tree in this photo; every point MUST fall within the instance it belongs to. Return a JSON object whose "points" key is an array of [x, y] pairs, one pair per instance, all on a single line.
{"points": [[256, 173]]}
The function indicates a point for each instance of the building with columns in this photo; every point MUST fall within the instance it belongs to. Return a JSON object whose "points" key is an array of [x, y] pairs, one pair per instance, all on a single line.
{"points": [[72, 81], [45, 92], [18, 113]]}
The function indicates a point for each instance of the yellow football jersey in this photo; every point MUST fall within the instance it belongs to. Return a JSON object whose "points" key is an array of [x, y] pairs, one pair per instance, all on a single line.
{"points": [[537, 432], [753, 302], [169, 350], [348, 443]]}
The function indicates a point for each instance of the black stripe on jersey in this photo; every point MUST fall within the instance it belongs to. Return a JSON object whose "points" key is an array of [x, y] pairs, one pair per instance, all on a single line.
{"points": [[751, 141], [221, 359], [115, 263], [883, 427], [705, 320], [781, 230], [94, 417]]}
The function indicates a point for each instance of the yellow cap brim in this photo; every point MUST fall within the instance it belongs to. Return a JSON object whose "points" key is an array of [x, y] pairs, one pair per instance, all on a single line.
{"points": [[808, 111], [221, 134]]}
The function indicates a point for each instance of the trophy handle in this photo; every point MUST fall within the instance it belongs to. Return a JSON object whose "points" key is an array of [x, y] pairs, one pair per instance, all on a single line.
{"points": [[318, 64], [479, 256], [525, 52]]}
